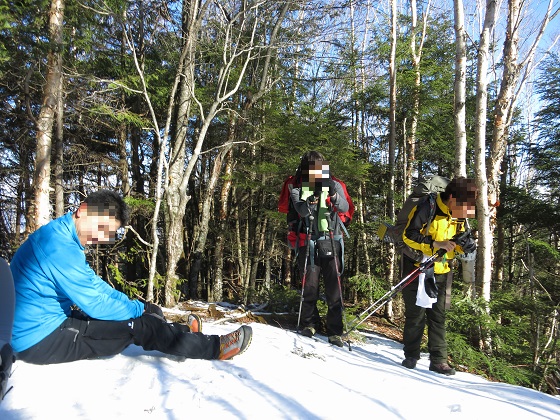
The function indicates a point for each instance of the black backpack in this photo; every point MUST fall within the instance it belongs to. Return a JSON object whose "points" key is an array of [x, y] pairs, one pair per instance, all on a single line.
{"points": [[425, 189]]}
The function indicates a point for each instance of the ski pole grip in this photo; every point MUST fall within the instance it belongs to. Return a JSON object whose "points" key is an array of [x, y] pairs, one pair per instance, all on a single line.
{"points": [[441, 252], [430, 261]]}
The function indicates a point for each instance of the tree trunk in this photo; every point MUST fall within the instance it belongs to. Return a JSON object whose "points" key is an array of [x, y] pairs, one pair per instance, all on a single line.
{"points": [[45, 121], [205, 218], [484, 251], [484, 256], [416, 53], [459, 119], [365, 241], [392, 142], [176, 197], [59, 153], [504, 102], [221, 234], [460, 86]]}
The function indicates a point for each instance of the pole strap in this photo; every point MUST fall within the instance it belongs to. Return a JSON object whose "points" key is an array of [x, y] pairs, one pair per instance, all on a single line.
{"points": [[448, 284]]}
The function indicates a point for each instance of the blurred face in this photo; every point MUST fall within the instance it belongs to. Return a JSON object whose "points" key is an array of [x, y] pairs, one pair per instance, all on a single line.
{"points": [[315, 173], [461, 210], [463, 203], [96, 225]]}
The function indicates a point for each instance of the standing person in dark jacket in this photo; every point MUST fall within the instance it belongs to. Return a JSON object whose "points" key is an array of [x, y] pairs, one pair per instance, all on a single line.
{"points": [[452, 206], [316, 201], [51, 275]]}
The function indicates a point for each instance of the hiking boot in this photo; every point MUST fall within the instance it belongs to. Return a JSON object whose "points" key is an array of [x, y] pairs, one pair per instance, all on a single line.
{"points": [[194, 322], [335, 340], [308, 332], [235, 342], [6, 360], [442, 368], [409, 362]]}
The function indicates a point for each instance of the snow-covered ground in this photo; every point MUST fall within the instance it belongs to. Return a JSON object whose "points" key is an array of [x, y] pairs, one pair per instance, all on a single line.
{"points": [[281, 376]]}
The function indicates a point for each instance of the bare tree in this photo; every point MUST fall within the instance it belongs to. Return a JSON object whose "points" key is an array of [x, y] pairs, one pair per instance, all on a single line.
{"points": [[483, 211], [238, 31], [489, 171], [268, 52], [416, 53], [510, 85]]}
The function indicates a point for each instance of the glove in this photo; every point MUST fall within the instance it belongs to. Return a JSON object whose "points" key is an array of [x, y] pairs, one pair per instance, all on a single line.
{"points": [[332, 187], [318, 189], [152, 309], [469, 246], [465, 241], [431, 287]]}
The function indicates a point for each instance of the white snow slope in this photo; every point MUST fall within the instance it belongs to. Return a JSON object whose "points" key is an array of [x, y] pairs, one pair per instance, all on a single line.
{"points": [[281, 376]]}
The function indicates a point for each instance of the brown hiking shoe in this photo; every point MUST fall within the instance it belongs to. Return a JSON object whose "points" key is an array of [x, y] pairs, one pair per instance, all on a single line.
{"points": [[194, 322], [235, 342], [442, 368]]}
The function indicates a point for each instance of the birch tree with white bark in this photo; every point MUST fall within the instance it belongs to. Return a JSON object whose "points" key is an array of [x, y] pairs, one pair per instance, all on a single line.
{"points": [[46, 119]]}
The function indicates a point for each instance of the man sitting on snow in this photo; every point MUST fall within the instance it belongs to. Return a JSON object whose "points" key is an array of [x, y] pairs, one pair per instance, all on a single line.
{"points": [[51, 275]]}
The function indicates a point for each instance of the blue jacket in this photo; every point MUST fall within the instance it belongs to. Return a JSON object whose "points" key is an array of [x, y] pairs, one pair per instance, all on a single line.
{"points": [[50, 275]]}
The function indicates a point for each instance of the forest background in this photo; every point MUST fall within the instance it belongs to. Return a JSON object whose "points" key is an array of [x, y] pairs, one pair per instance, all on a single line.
{"points": [[196, 111]]}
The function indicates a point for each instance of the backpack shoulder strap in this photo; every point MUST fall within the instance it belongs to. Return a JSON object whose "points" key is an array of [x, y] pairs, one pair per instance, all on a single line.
{"points": [[432, 201]]}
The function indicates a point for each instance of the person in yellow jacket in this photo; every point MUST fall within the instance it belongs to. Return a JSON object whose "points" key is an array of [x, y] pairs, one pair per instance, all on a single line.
{"points": [[452, 207]]}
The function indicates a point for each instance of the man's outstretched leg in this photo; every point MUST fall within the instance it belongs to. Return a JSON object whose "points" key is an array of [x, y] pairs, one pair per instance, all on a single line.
{"points": [[151, 333], [81, 338]]}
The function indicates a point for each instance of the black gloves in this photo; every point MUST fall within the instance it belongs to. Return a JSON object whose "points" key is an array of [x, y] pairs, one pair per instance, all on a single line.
{"points": [[332, 187], [465, 241], [311, 200], [431, 287], [469, 246], [152, 309], [318, 190]]}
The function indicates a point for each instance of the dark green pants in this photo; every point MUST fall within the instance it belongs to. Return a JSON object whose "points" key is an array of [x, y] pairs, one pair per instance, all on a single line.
{"points": [[416, 319]]}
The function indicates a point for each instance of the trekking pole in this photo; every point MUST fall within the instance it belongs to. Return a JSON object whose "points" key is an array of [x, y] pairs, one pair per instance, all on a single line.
{"points": [[309, 222], [331, 234], [413, 275]]}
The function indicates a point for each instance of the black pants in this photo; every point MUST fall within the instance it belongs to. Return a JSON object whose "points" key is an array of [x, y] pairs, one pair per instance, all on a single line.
{"points": [[417, 317], [80, 337], [309, 312]]}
